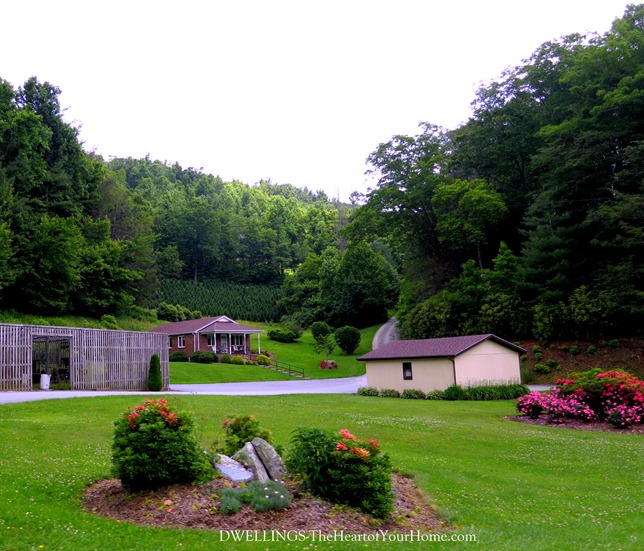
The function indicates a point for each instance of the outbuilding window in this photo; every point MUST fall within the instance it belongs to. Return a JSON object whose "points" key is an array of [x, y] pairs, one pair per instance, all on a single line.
{"points": [[407, 375]]}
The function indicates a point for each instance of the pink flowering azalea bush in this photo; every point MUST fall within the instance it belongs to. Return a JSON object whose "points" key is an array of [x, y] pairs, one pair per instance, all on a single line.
{"points": [[613, 396], [154, 446], [343, 469]]}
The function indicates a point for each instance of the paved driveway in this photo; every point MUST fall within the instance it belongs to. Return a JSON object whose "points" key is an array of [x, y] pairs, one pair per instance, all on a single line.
{"points": [[348, 385]]}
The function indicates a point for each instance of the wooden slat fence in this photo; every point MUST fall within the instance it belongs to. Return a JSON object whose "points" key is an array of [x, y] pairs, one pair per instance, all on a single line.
{"points": [[99, 359]]}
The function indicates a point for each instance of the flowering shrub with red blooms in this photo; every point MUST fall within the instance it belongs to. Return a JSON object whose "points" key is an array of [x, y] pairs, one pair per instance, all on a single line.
{"points": [[362, 450], [343, 469], [154, 446], [613, 396]]}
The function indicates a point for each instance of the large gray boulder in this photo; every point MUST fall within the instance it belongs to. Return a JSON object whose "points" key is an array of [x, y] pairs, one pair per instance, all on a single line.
{"points": [[233, 470], [270, 458], [249, 458]]}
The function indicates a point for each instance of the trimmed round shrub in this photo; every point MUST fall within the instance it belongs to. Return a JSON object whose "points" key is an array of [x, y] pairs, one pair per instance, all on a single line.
{"points": [[368, 391], [203, 357], [320, 329], [390, 393], [263, 360], [343, 469], [178, 356], [155, 380], [226, 359], [347, 338], [237, 360], [413, 394], [155, 446]]}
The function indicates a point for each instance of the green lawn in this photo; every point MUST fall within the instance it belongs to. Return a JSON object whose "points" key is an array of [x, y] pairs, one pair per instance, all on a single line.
{"points": [[514, 486], [299, 354], [196, 373]]}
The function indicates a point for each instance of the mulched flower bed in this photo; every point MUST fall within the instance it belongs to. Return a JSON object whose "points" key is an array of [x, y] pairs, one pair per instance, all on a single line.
{"points": [[188, 506], [578, 425]]}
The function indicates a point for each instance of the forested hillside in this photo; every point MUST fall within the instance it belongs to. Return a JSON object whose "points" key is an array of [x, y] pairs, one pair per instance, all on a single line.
{"points": [[82, 235], [526, 221]]}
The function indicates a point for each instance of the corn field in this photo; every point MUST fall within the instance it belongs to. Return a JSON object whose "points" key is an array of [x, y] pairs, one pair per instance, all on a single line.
{"points": [[220, 298]]}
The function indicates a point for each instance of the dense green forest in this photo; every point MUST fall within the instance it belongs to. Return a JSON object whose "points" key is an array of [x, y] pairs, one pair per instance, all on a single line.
{"points": [[526, 221]]}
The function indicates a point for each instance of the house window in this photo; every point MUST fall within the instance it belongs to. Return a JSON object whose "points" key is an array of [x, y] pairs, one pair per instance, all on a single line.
{"points": [[210, 339], [407, 376], [169, 342], [181, 341]]}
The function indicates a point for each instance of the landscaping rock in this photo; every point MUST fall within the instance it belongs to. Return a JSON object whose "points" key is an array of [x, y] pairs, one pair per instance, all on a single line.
{"points": [[249, 458], [270, 458], [233, 470]]}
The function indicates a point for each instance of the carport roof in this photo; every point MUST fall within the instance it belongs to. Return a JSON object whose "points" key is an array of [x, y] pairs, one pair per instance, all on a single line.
{"points": [[433, 348]]}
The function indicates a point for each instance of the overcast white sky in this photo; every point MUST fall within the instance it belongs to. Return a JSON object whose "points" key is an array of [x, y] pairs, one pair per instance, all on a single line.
{"points": [[296, 91]]}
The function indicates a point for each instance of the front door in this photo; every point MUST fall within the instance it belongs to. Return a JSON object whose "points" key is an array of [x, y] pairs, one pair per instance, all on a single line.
{"points": [[224, 344]]}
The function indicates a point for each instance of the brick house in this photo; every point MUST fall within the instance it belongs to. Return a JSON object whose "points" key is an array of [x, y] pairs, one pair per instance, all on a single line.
{"points": [[221, 335]]}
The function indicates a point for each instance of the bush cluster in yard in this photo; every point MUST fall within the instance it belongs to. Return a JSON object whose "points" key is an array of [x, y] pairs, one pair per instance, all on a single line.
{"points": [[282, 334], [453, 392], [178, 356], [239, 430], [203, 357], [614, 396], [263, 360], [154, 446], [343, 469]]}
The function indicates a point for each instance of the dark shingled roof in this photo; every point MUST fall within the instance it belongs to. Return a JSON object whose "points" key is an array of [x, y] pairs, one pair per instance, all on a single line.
{"points": [[433, 348], [220, 324]]}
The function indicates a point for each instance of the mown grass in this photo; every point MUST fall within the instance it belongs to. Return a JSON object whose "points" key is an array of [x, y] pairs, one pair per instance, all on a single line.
{"points": [[302, 354], [514, 486], [196, 373]]}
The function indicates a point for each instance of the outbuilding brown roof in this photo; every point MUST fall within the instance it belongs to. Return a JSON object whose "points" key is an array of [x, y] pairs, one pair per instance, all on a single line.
{"points": [[219, 324], [433, 348]]}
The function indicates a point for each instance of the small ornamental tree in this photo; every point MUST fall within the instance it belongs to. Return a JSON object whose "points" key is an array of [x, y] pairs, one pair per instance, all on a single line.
{"points": [[348, 338], [154, 446], [155, 380]]}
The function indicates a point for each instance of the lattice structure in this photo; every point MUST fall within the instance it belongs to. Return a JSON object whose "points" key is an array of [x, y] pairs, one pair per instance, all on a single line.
{"points": [[91, 359]]}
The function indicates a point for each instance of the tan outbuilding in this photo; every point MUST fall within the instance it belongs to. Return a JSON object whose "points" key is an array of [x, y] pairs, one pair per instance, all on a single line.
{"points": [[435, 364]]}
